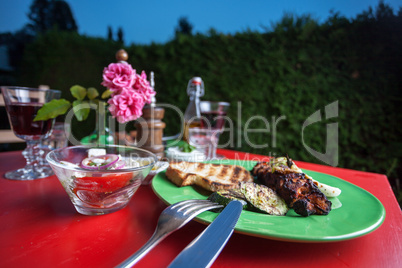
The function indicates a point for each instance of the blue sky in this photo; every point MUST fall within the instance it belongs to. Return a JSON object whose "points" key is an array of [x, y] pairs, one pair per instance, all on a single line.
{"points": [[149, 21]]}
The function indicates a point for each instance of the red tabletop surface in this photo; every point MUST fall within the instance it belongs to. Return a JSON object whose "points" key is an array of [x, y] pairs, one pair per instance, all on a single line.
{"points": [[39, 227]]}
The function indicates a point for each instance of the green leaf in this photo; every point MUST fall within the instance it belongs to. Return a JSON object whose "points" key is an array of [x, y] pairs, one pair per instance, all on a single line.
{"points": [[92, 93], [78, 92], [81, 109], [186, 147], [106, 94], [52, 109]]}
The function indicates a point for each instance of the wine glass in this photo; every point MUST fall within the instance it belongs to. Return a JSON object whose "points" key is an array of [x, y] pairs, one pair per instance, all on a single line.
{"points": [[213, 114], [22, 105]]}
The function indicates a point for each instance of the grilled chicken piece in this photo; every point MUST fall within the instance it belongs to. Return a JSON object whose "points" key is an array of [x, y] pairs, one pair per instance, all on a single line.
{"points": [[299, 192]]}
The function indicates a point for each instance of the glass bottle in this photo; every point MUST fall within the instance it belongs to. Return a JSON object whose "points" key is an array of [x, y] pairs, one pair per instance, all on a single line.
{"points": [[102, 134], [192, 115]]}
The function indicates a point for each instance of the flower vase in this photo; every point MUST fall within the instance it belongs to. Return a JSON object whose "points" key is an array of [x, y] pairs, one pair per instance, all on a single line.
{"points": [[102, 134]]}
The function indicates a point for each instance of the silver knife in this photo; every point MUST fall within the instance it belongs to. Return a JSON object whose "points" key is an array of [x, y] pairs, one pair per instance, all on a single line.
{"points": [[204, 249]]}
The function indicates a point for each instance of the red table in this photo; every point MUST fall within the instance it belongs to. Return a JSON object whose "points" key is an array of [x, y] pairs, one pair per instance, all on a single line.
{"points": [[39, 227]]}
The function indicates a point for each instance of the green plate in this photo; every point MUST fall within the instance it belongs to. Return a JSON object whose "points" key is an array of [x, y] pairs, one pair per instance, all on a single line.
{"points": [[358, 212]]}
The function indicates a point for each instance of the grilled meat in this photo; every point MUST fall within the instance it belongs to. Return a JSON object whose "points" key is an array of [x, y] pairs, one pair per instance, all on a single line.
{"points": [[299, 192]]}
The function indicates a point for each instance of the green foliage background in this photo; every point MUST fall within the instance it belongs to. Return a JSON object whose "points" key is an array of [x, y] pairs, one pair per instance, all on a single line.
{"points": [[293, 70]]}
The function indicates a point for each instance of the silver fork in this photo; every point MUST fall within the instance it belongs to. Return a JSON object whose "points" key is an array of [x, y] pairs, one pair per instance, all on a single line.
{"points": [[171, 219]]}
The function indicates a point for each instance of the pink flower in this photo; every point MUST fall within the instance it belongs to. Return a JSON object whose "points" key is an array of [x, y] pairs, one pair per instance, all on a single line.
{"points": [[130, 91], [118, 76], [142, 85], [127, 105]]}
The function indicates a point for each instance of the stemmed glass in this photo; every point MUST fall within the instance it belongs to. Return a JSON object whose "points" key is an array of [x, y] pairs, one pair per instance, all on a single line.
{"points": [[22, 105]]}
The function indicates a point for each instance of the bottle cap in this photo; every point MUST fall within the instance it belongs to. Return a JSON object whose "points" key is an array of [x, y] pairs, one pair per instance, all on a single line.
{"points": [[195, 87]]}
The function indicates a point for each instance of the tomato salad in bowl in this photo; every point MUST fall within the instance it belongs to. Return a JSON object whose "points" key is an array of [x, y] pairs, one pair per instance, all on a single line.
{"points": [[101, 180]]}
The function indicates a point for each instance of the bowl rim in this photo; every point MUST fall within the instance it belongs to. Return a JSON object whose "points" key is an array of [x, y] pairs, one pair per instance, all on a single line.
{"points": [[53, 162]]}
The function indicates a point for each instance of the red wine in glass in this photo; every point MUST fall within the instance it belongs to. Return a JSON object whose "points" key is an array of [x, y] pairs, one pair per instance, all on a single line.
{"points": [[21, 117], [22, 105], [213, 119]]}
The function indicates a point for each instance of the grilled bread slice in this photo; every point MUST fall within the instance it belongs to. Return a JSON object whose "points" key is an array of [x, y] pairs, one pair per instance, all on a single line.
{"points": [[212, 177]]}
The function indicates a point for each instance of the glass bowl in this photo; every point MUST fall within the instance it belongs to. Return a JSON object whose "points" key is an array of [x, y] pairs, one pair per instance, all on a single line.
{"points": [[100, 191]]}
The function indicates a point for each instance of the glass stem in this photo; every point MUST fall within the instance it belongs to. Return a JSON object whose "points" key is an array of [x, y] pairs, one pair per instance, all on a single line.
{"points": [[101, 124], [32, 154]]}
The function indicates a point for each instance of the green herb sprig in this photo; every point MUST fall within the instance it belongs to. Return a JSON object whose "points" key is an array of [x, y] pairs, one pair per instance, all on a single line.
{"points": [[186, 147]]}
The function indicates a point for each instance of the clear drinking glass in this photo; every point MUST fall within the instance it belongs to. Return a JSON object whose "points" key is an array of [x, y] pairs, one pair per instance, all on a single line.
{"points": [[22, 105], [213, 118], [205, 140], [57, 139]]}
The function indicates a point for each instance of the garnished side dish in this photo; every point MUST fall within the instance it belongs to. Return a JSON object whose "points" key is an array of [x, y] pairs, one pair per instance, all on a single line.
{"points": [[93, 188]]}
